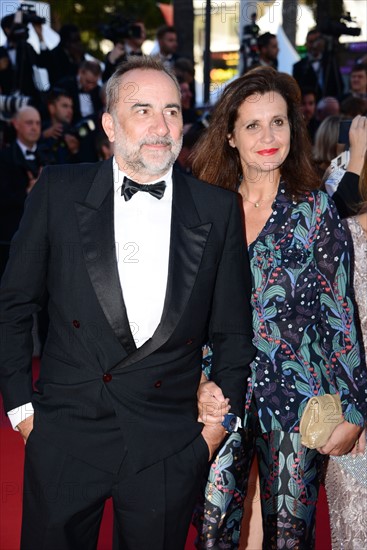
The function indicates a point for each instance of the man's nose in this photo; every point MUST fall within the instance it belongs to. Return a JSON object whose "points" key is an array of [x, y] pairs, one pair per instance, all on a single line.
{"points": [[159, 125]]}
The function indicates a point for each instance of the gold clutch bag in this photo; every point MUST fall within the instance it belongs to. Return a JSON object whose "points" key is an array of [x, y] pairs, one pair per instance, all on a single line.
{"points": [[323, 413]]}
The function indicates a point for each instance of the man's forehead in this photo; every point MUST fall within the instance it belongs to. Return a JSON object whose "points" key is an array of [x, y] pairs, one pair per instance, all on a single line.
{"points": [[136, 84]]}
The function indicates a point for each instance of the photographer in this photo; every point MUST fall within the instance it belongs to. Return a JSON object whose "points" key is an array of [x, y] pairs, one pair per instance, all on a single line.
{"points": [[127, 36], [64, 60], [319, 70], [268, 48], [17, 57], [59, 145]]}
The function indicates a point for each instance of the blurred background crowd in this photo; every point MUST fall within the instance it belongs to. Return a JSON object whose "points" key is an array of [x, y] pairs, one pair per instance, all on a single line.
{"points": [[53, 71], [54, 65]]}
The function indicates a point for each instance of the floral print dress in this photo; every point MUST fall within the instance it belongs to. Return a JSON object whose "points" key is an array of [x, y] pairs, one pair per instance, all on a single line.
{"points": [[304, 331]]}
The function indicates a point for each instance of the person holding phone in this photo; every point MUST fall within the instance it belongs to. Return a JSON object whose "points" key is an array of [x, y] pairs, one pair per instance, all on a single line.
{"points": [[346, 190]]}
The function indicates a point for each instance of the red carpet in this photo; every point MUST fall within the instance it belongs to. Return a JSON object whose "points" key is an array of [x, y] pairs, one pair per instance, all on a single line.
{"points": [[11, 474]]}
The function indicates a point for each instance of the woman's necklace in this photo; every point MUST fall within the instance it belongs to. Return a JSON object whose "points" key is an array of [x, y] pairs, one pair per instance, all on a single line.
{"points": [[261, 201]]}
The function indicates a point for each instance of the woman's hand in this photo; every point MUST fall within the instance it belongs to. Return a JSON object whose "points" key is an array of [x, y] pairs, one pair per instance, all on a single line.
{"points": [[212, 405], [344, 439]]}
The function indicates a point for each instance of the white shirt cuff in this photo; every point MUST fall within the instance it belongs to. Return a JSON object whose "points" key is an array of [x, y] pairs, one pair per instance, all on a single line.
{"points": [[20, 413]]}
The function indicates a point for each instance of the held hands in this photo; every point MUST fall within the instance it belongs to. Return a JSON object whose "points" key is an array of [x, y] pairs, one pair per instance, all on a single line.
{"points": [[25, 427], [212, 406], [344, 439]]}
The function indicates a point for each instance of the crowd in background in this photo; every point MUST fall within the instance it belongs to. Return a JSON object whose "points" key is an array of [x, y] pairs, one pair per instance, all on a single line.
{"points": [[63, 124]]}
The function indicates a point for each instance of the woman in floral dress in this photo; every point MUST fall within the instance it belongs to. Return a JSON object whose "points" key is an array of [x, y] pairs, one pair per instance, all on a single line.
{"points": [[302, 313]]}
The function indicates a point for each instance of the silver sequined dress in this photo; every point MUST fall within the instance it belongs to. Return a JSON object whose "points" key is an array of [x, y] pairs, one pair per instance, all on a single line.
{"points": [[346, 478]]}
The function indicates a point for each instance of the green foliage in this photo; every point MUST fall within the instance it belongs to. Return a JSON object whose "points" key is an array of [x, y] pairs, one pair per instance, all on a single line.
{"points": [[88, 15]]}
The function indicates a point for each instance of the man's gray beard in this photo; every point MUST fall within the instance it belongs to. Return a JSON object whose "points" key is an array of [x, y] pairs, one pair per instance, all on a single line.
{"points": [[138, 164]]}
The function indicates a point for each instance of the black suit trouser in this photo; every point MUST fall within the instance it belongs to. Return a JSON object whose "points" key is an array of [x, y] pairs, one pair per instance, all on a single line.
{"points": [[64, 499]]}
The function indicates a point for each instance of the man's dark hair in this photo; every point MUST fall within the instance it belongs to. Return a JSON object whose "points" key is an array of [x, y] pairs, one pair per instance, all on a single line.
{"points": [[144, 63], [264, 39], [56, 92], [358, 67], [92, 66], [164, 29]]}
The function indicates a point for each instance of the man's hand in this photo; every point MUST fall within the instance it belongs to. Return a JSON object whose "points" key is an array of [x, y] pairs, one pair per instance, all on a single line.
{"points": [[212, 404], [55, 131], [213, 436], [116, 53], [25, 427], [343, 439]]}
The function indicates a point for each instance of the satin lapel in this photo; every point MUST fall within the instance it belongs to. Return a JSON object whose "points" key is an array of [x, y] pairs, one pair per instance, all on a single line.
{"points": [[96, 224], [188, 239]]}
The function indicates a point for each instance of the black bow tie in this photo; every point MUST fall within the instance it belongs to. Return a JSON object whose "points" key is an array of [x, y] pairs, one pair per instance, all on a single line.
{"points": [[130, 187], [29, 153]]}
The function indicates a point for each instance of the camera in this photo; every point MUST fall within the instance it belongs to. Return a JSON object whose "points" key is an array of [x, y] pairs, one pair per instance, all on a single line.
{"points": [[10, 104], [25, 14], [81, 129], [337, 28], [119, 29]]}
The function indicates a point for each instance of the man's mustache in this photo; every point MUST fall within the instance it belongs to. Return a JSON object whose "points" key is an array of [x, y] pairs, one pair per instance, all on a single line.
{"points": [[157, 141]]}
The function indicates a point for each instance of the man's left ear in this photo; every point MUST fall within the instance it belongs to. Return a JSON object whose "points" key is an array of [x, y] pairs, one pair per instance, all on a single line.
{"points": [[108, 126]]}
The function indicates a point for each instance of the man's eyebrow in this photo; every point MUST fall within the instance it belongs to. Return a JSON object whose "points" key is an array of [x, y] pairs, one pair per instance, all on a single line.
{"points": [[173, 106], [145, 105]]}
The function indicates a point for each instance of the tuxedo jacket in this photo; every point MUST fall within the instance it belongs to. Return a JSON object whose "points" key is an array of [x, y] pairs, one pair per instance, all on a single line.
{"points": [[98, 394], [70, 84], [14, 181], [307, 78]]}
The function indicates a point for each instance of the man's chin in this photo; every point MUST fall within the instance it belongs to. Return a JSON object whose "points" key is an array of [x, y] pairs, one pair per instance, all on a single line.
{"points": [[157, 166]]}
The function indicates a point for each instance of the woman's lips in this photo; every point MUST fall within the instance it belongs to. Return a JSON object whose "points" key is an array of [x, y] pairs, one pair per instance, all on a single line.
{"points": [[267, 152]]}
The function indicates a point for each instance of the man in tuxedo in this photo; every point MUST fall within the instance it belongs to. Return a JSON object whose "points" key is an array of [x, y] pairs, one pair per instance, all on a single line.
{"points": [[319, 70], [140, 274], [20, 166], [84, 90]]}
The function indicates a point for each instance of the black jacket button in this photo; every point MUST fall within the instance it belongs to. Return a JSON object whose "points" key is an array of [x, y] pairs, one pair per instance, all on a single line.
{"points": [[158, 384], [76, 323], [107, 377]]}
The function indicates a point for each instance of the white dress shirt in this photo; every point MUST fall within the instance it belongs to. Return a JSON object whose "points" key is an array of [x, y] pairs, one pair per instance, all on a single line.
{"points": [[142, 237]]}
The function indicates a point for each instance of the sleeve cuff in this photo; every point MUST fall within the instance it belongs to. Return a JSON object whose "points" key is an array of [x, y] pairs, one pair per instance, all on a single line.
{"points": [[20, 413]]}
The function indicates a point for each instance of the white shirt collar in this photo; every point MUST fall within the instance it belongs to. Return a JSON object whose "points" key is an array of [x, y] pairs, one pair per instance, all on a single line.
{"points": [[24, 148]]}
